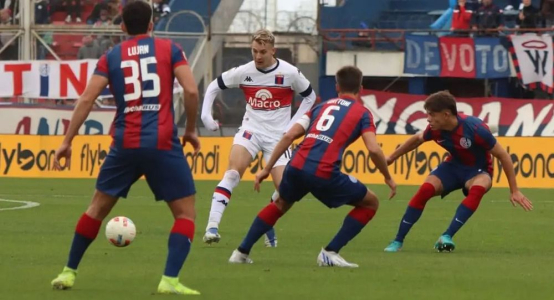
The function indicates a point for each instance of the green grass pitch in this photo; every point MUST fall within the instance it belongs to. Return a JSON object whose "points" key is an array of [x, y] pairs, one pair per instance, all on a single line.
{"points": [[502, 252]]}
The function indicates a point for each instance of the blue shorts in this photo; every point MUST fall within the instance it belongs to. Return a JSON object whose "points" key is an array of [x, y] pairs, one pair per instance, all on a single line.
{"points": [[454, 176], [336, 191], [167, 173]]}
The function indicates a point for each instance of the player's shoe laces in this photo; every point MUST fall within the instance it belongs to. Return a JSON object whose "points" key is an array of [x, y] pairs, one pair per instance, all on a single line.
{"points": [[65, 279], [394, 246], [171, 285], [270, 239], [239, 258], [333, 259], [211, 236], [445, 243]]}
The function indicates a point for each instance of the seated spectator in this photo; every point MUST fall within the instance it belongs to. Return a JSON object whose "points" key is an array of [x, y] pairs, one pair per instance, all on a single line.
{"points": [[41, 12], [11, 52], [461, 19], [547, 11], [488, 17], [160, 9], [89, 50], [95, 14], [73, 8], [529, 16]]}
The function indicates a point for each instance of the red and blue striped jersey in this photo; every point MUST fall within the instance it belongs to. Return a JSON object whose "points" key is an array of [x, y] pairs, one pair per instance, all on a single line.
{"points": [[468, 144], [333, 125], [140, 75]]}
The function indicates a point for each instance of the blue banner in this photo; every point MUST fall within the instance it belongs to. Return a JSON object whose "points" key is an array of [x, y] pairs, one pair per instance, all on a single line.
{"points": [[480, 57]]}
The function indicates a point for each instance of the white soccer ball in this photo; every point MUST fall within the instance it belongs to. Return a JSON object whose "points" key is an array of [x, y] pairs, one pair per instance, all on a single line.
{"points": [[120, 231]]}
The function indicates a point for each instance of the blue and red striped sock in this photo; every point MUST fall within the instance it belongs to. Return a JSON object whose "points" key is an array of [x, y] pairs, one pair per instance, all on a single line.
{"points": [[466, 209], [354, 222], [414, 210], [180, 239], [85, 232], [265, 220]]}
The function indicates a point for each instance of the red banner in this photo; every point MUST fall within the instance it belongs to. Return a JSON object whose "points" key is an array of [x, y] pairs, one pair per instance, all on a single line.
{"points": [[457, 57], [404, 113]]}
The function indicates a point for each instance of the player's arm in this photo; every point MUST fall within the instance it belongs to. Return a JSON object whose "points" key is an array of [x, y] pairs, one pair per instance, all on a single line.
{"points": [[304, 88], [376, 153], [84, 105], [229, 79], [294, 133], [413, 142]]}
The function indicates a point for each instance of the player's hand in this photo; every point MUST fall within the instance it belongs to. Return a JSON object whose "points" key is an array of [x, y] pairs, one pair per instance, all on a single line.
{"points": [[211, 124], [263, 174], [192, 138], [64, 151], [519, 198], [389, 160], [392, 185]]}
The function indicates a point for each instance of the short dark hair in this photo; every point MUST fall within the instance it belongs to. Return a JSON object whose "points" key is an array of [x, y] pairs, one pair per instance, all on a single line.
{"points": [[440, 101], [136, 17], [349, 79]]}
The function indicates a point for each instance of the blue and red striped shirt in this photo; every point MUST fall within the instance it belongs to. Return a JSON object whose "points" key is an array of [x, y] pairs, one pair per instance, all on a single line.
{"points": [[140, 74], [333, 126], [468, 144]]}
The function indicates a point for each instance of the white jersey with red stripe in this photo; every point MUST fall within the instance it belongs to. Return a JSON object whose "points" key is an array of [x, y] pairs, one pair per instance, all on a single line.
{"points": [[268, 93]]}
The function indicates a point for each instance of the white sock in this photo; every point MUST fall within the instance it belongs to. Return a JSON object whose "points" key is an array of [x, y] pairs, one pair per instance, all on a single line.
{"points": [[221, 197]]}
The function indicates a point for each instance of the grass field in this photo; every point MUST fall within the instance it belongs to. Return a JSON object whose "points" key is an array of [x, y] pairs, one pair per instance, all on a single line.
{"points": [[502, 253]]}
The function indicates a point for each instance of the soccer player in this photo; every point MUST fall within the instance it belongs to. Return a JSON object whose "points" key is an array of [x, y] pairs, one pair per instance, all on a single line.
{"points": [[315, 168], [269, 85], [140, 73], [468, 167]]}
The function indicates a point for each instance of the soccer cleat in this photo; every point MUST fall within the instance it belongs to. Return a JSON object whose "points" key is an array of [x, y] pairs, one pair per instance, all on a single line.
{"points": [[445, 243], [270, 239], [65, 279], [333, 259], [212, 236], [394, 246], [239, 258], [171, 285]]}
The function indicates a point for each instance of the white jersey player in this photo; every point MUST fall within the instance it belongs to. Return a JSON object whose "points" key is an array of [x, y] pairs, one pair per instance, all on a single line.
{"points": [[269, 85]]}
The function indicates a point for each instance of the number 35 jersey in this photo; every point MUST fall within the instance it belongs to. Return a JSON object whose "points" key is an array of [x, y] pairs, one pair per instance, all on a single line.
{"points": [[140, 76], [268, 94], [330, 128]]}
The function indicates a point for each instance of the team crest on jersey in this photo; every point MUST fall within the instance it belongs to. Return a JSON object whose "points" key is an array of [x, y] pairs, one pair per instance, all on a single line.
{"points": [[280, 79], [465, 142], [247, 135]]}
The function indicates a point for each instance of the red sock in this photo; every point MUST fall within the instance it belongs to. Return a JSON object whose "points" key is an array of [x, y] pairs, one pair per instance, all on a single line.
{"points": [[426, 191], [184, 227], [88, 227], [474, 197], [362, 214], [270, 214]]}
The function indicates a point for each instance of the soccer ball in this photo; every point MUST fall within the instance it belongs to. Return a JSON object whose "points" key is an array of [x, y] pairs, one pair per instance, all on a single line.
{"points": [[120, 231]]}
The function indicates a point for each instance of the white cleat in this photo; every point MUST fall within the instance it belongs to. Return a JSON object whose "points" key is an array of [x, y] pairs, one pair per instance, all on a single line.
{"points": [[211, 236], [239, 258], [333, 259], [270, 243]]}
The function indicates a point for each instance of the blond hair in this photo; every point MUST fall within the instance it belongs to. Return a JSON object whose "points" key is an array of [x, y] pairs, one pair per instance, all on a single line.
{"points": [[263, 36]]}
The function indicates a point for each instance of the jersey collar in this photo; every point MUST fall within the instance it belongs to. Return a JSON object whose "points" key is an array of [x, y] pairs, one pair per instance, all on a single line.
{"points": [[270, 70], [140, 36]]}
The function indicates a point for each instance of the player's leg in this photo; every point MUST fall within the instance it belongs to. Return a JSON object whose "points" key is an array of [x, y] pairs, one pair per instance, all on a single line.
{"points": [[441, 181], [169, 177], [277, 175], [292, 189], [475, 188], [242, 152], [116, 176], [339, 191]]}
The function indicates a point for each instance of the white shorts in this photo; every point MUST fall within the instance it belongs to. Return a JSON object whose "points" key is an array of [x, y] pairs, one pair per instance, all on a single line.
{"points": [[256, 142]]}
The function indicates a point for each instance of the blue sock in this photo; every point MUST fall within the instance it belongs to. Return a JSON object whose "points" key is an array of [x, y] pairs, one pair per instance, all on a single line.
{"points": [[271, 234], [258, 228], [179, 243], [408, 220], [78, 248], [463, 213], [354, 222]]}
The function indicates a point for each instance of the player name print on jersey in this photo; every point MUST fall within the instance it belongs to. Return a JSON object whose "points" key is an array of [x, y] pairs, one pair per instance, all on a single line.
{"points": [[138, 50]]}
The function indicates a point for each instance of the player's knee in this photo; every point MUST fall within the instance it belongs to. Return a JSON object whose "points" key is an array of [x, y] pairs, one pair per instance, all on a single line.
{"points": [[232, 177], [283, 205], [101, 205], [370, 201]]}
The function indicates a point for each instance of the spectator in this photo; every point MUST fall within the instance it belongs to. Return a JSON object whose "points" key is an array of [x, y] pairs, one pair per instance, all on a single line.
{"points": [[10, 53], [488, 17], [95, 14], [89, 50], [529, 16], [104, 41], [73, 8], [547, 11], [461, 19], [41, 12], [160, 9]]}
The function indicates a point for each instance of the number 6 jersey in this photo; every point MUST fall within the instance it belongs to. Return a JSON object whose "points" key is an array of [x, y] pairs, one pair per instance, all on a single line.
{"points": [[140, 75]]}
